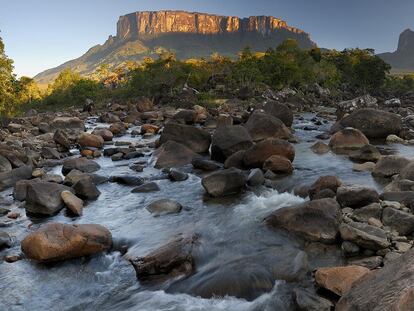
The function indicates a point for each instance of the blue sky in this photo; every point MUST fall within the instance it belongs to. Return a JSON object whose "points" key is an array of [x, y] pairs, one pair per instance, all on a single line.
{"points": [[40, 34]]}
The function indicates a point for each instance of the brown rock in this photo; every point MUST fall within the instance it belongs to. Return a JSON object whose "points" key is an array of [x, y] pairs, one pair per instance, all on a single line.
{"points": [[172, 154], [90, 140], [73, 203], [278, 165], [260, 152], [348, 139], [324, 182], [320, 147], [104, 133], [262, 126]]}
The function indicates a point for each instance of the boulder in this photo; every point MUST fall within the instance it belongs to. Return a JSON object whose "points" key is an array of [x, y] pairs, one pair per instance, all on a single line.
{"points": [[61, 138], [348, 139], [227, 140], [316, 221], [389, 288], [86, 189], [127, 180], [148, 187], [56, 242], [403, 197], [192, 137], [224, 182], [278, 165], [373, 123], [50, 153], [280, 111], [81, 164], [367, 153], [44, 198], [118, 128], [349, 106], [67, 123], [262, 126], [104, 133], [173, 154], [5, 240], [90, 140], [235, 160], [186, 116], [356, 196], [5, 165], [322, 183], [364, 235], [320, 147], [307, 301], [255, 178], [163, 207], [391, 165], [398, 220], [363, 214], [10, 178], [177, 175], [205, 165], [260, 152], [339, 280], [408, 171], [72, 202]]}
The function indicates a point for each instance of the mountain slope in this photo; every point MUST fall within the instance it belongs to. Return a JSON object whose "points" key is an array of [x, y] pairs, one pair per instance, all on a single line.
{"points": [[187, 34], [403, 57]]}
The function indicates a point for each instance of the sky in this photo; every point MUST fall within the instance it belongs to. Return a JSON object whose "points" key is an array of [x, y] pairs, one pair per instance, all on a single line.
{"points": [[41, 34]]}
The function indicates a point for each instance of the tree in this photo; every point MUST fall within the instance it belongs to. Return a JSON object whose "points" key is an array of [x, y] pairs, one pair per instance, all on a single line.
{"points": [[7, 79]]}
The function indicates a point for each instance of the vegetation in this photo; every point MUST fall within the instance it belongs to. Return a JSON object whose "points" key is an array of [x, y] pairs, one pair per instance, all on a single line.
{"points": [[165, 78]]}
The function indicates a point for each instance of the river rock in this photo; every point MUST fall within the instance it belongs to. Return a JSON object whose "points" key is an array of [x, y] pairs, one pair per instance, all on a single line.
{"points": [[262, 126], [90, 140], [364, 235], [224, 182], [280, 111], [408, 172], [81, 164], [373, 123], [5, 240], [148, 187], [67, 123], [278, 165], [308, 301], [104, 133], [364, 213], [398, 220], [389, 288], [403, 197], [363, 167], [316, 221], [86, 189], [172, 154], [260, 152], [44, 198], [339, 279], [10, 178], [320, 147], [348, 139], [235, 160], [61, 138], [5, 165], [227, 140], [56, 242], [72, 202], [367, 153], [356, 196], [255, 178], [205, 165], [322, 183], [118, 128], [176, 175], [127, 180], [391, 165], [144, 104], [192, 137], [163, 207]]}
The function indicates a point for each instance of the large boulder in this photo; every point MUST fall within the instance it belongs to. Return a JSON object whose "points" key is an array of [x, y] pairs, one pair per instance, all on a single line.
{"points": [[391, 165], [86, 189], [408, 171], [389, 288], [10, 178], [398, 220], [81, 164], [280, 111], [44, 197], [316, 221], [364, 235], [262, 126], [5, 165], [367, 153], [348, 139], [55, 242], [227, 140], [193, 137], [104, 133], [90, 140], [278, 165], [225, 182], [349, 106], [322, 183], [67, 123], [61, 138], [173, 154], [373, 123], [260, 152], [356, 196], [339, 280]]}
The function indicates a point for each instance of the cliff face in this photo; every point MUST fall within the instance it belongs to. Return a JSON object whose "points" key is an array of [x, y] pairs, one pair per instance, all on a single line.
{"points": [[403, 57], [143, 24]]}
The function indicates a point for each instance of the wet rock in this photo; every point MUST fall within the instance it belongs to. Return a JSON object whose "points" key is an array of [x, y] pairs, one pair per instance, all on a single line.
{"points": [[390, 288], [278, 165], [56, 242], [224, 182], [227, 140], [74, 176], [90, 140], [364, 167], [104, 133], [262, 126], [175, 259], [356, 196], [388, 166], [192, 137], [72, 202], [172, 154], [86, 189], [176, 175], [348, 139], [364, 213], [164, 207], [260, 152], [205, 165], [316, 221], [322, 183], [280, 111], [367, 153], [148, 187], [44, 198], [5, 165], [373, 123], [9, 179], [5, 240], [339, 280], [394, 139], [398, 220], [320, 147], [408, 172], [61, 138], [127, 180], [81, 164], [255, 178], [364, 235], [235, 160], [308, 301], [118, 128]]}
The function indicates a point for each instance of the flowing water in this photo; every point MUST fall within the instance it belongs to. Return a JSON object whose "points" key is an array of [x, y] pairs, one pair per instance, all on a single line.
{"points": [[235, 248]]}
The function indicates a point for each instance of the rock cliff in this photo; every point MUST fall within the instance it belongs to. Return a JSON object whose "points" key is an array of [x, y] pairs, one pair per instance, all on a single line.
{"points": [[403, 57]]}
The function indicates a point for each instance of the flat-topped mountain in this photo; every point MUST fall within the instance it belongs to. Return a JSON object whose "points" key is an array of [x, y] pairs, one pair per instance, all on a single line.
{"points": [[142, 34], [403, 57]]}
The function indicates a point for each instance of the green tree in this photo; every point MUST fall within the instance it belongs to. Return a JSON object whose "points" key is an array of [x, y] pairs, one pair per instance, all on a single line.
{"points": [[7, 100]]}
